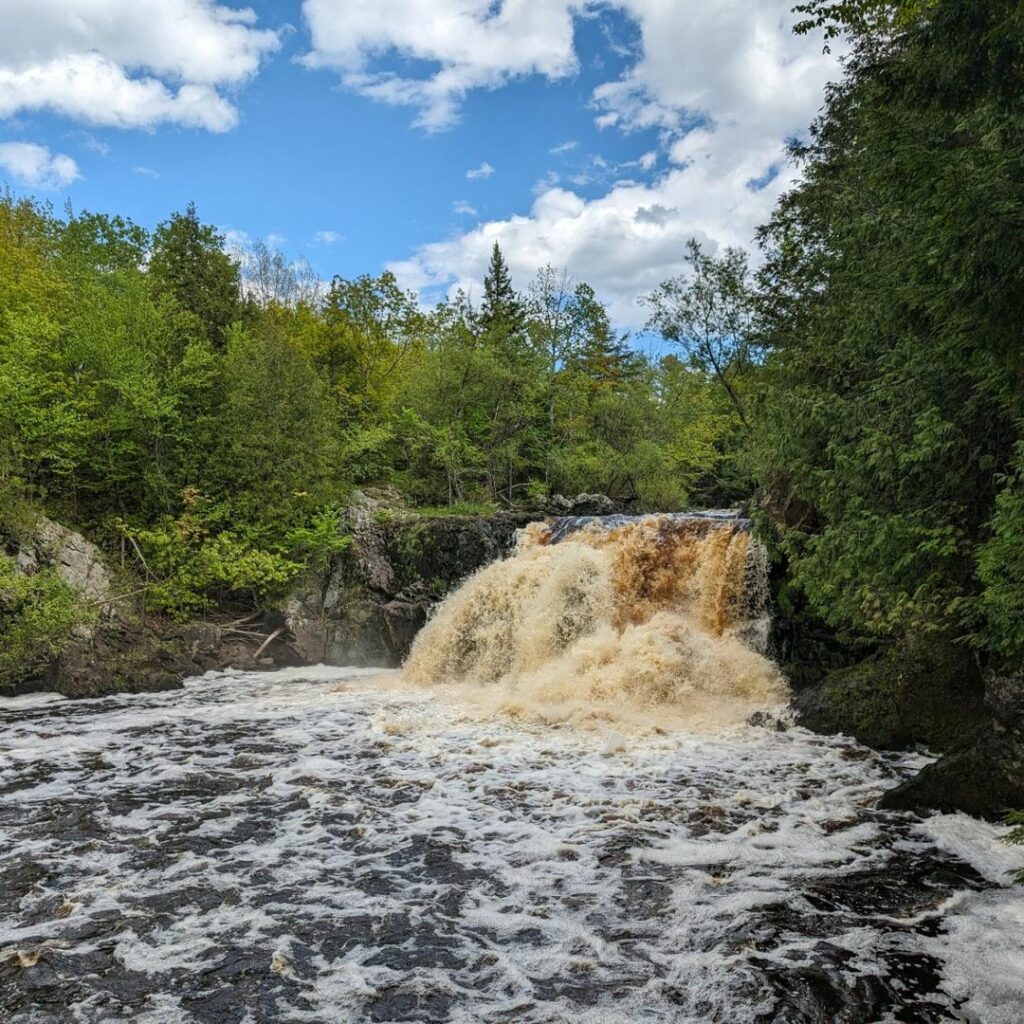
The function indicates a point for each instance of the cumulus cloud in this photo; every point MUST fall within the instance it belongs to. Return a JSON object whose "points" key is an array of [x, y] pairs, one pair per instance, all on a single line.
{"points": [[563, 147], [326, 237], [459, 45], [724, 85], [129, 63], [485, 170], [36, 166], [146, 172], [462, 207], [623, 243]]}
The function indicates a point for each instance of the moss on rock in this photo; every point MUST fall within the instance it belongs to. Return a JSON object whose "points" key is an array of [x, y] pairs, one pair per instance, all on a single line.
{"points": [[923, 691]]}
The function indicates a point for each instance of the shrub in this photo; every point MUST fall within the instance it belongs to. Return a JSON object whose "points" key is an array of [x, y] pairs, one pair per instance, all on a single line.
{"points": [[38, 614]]}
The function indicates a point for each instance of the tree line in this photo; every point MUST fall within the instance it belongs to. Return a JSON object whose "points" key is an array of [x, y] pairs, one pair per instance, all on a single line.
{"points": [[860, 389], [209, 411]]}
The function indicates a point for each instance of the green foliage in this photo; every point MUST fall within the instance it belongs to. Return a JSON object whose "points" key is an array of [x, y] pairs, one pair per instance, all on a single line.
{"points": [[188, 262], [318, 541], [560, 405], [889, 398], [276, 441], [133, 373], [38, 614], [502, 309], [858, 17], [460, 508], [370, 334], [210, 555], [707, 313], [1001, 569]]}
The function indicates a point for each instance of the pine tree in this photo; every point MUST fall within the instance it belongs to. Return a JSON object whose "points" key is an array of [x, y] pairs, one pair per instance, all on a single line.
{"points": [[502, 309]]}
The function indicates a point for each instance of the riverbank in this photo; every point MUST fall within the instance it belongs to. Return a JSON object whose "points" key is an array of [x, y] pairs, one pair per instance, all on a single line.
{"points": [[368, 603]]}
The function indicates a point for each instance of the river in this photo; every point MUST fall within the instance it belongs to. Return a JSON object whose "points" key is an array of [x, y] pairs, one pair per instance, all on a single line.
{"points": [[324, 845]]}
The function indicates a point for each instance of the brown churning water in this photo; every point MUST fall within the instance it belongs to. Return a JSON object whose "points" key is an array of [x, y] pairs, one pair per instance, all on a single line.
{"points": [[654, 619]]}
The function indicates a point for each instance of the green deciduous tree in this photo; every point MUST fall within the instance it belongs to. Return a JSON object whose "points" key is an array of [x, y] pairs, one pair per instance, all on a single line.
{"points": [[707, 312]]}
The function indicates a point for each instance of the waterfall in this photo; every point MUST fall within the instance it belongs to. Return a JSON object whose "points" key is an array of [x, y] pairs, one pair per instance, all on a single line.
{"points": [[612, 617]]}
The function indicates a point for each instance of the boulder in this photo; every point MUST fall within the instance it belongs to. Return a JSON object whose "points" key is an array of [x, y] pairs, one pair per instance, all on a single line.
{"points": [[983, 773], [78, 561], [921, 692], [592, 505]]}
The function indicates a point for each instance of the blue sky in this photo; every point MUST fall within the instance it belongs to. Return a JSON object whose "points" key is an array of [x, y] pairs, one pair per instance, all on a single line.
{"points": [[343, 130]]}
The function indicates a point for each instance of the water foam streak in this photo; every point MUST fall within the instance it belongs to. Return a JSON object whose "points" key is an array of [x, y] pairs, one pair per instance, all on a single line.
{"points": [[309, 846]]}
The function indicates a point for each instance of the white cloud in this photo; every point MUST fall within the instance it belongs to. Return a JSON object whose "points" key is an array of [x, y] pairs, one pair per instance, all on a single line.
{"points": [[733, 69], [463, 45], [146, 172], [485, 170], [96, 145], [564, 147], [236, 241], [549, 180], [129, 63], [326, 237], [462, 207], [36, 167]]}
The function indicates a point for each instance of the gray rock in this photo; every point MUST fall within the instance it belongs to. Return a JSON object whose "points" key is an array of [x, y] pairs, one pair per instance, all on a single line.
{"points": [[78, 561], [367, 607], [591, 505]]}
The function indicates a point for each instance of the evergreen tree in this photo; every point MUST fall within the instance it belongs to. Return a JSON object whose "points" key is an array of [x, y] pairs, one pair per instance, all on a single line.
{"points": [[890, 312], [188, 262], [502, 309]]}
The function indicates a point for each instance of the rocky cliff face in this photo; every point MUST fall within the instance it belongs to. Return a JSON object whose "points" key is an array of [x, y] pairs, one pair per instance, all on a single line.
{"points": [[115, 648], [78, 562], [367, 606]]}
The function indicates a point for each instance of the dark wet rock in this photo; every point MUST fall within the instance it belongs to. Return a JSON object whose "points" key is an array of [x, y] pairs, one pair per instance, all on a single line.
{"points": [[983, 775], [120, 657], [373, 599], [1004, 697], [921, 692], [929, 693], [394, 1004]]}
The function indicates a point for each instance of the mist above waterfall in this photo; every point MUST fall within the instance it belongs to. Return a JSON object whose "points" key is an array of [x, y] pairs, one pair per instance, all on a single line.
{"points": [[652, 618]]}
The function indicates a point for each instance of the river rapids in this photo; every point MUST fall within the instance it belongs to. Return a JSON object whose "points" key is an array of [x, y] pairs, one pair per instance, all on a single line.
{"points": [[331, 845]]}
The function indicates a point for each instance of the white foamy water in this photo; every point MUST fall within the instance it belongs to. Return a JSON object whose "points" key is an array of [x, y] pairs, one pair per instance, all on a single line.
{"points": [[640, 619], [269, 847]]}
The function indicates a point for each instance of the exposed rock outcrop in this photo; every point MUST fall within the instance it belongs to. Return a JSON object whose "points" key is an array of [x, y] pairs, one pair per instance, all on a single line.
{"points": [[981, 774], [924, 692], [118, 649], [921, 692], [77, 561], [368, 605]]}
